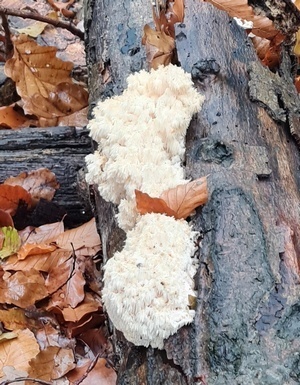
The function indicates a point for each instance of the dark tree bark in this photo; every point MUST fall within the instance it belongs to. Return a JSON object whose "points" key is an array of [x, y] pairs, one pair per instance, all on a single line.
{"points": [[246, 329], [62, 150]]}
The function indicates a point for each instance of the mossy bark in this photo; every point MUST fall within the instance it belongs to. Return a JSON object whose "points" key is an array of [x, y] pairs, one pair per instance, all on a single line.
{"points": [[246, 329]]}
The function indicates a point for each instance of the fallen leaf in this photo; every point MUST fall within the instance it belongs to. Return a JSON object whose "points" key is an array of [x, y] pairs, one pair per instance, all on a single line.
{"points": [[77, 119], [22, 288], [262, 26], [36, 69], [11, 118], [14, 318], [159, 47], [52, 363], [43, 234], [66, 283], [83, 236], [178, 202], [90, 374], [11, 196], [10, 373], [5, 220], [19, 351], [40, 183], [184, 198], [7, 336], [146, 204], [34, 249], [40, 262], [10, 240], [36, 28]]}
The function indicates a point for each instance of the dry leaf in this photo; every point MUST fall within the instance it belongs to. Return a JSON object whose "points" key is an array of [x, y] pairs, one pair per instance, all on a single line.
{"points": [[84, 236], [64, 100], [7, 336], [185, 198], [100, 374], [36, 69], [40, 262], [19, 351], [22, 288], [5, 220], [52, 363], [159, 47], [40, 183], [14, 319], [36, 28], [262, 26], [11, 196], [77, 119], [146, 204], [43, 234], [178, 202], [10, 241], [11, 118], [34, 249]]}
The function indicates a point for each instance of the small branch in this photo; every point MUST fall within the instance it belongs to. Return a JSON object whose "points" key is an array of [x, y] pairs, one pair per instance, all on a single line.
{"points": [[19, 379], [35, 16], [8, 43]]}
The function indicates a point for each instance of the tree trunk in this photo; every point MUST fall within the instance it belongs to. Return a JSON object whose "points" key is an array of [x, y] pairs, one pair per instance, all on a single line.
{"points": [[246, 329]]}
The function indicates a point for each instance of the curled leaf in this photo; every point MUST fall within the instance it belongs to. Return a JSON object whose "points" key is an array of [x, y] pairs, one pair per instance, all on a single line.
{"points": [[145, 204], [10, 197]]}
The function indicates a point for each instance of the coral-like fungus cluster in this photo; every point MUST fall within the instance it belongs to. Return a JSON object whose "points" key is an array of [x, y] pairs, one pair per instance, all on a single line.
{"points": [[141, 136]]}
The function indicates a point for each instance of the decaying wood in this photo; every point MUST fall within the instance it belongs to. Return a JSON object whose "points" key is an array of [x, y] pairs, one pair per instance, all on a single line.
{"points": [[62, 150], [246, 329]]}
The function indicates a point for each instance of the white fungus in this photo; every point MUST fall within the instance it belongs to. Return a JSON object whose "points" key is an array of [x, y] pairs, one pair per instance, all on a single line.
{"points": [[141, 137], [148, 283]]}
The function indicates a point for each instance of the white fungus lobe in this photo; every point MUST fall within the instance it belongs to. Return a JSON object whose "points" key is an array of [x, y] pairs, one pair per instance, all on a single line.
{"points": [[141, 137], [147, 284]]}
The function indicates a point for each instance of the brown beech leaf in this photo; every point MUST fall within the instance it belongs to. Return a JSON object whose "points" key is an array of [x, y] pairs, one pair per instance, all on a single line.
{"points": [[146, 204], [262, 26], [178, 202], [14, 319], [175, 12], [19, 351], [5, 219], [11, 196], [34, 249], [84, 236], [64, 100], [43, 234], [159, 47], [52, 363], [99, 374], [77, 119], [269, 51], [40, 183], [22, 288], [36, 69], [10, 117], [184, 198], [66, 282], [40, 262]]}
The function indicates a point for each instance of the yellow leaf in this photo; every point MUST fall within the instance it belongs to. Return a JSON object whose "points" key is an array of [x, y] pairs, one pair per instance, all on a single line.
{"points": [[36, 28], [11, 242]]}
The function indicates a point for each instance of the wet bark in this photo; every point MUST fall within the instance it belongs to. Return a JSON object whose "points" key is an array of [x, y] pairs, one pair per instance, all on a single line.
{"points": [[62, 150], [246, 329]]}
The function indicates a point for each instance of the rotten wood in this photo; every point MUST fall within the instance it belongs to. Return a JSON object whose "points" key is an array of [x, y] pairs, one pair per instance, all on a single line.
{"points": [[62, 150], [246, 329]]}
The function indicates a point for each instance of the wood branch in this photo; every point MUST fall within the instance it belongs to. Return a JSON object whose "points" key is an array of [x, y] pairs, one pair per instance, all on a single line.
{"points": [[246, 328], [36, 16]]}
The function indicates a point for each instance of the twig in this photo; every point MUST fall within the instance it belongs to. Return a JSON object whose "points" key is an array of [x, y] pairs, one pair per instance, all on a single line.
{"points": [[88, 370], [8, 43], [36, 16], [19, 379]]}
